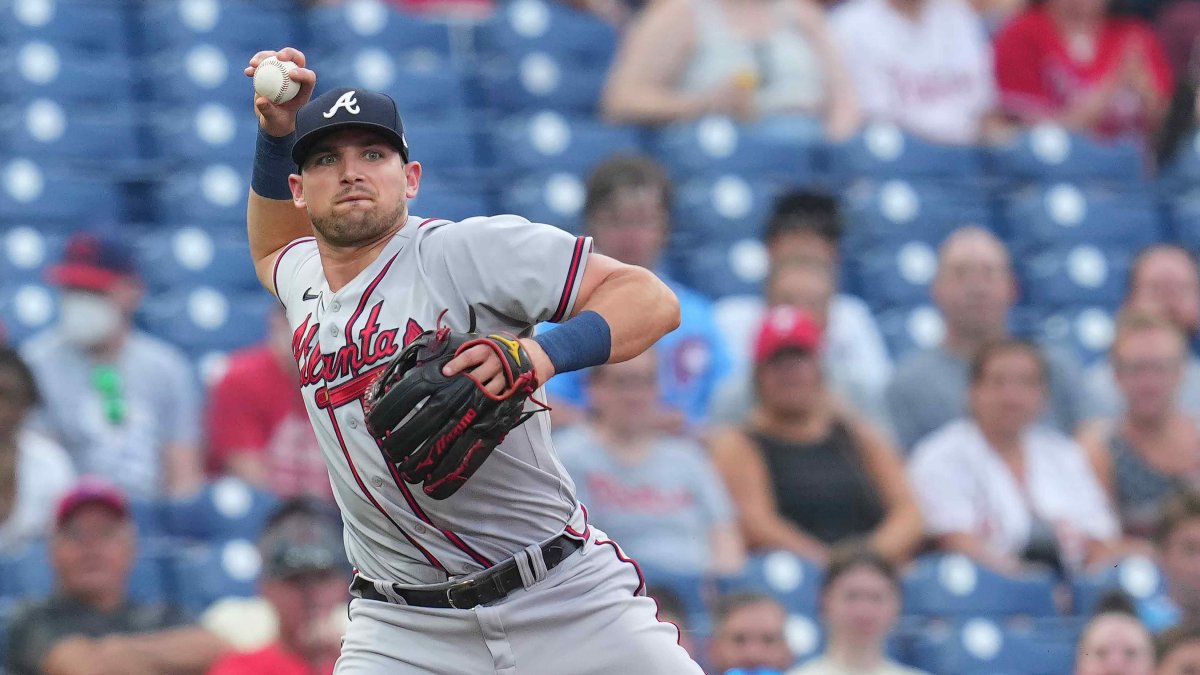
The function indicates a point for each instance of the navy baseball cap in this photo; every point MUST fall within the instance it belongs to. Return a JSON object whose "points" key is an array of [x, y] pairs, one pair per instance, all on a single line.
{"points": [[94, 262], [344, 108], [302, 536]]}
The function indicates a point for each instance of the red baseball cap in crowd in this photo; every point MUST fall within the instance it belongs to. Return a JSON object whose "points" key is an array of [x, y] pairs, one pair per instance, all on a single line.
{"points": [[786, 328], [91, 490], [93, 262]]}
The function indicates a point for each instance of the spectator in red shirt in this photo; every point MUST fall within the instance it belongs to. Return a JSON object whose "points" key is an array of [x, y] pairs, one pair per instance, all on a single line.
{"points": [[258, 429], [1072, 63]]}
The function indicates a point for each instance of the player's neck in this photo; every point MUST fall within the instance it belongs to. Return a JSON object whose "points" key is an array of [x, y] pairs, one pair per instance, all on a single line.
{"points": [[343, 263]]}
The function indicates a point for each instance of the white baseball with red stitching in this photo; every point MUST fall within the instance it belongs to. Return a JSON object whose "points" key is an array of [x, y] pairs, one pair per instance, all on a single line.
{"points": [[272, 80]]}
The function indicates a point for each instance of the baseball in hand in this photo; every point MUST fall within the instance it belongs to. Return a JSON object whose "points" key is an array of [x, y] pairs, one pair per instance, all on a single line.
{"points": [[272, 81]]}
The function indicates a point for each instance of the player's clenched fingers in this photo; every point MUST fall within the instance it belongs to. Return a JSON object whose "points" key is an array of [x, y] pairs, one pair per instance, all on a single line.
{"points": [[468, 359]]}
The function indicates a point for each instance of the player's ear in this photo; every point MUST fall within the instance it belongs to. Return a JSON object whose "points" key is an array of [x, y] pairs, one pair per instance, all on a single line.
{"points": [[412, 174], [297, 186]]}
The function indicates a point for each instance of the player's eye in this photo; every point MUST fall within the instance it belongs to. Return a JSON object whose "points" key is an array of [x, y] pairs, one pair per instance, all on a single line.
{"points": [[373, 155], [326, 160]]}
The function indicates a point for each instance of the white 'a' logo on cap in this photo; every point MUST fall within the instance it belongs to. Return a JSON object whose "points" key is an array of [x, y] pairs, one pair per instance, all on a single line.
{"points": [[346, 101]]}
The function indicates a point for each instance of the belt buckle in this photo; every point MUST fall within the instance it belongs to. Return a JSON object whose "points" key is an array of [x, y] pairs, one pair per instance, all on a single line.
{"points": [[457, 586]]}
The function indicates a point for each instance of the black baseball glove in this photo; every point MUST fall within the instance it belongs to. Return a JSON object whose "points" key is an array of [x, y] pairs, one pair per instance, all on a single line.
{"points": [[439, 430]]}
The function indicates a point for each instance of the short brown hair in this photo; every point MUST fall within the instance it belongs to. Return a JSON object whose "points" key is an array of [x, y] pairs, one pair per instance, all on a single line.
{"points": [[727, 604], [846, 558], [622, 172], [1180, 507], [1170, 640], [985, 354], [1139, 320]]}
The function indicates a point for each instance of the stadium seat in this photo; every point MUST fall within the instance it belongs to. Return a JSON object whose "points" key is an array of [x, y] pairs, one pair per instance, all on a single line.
{"points": [[58, 130], [26, 574], [794, 581], [235, 26], [188, 257], [568, 34], [982, 647], [204, 318], [25, 253], [1137, 576], [891, 277], [26, 309], [952, 585], [718, 143], [421, 91], [1185, 220], [452, 201], [224, 510], [1086, 331], [894, 212], [548, 141], [93, 28], [149, 581], [53, 195], [721, 268], [1046, 216], [447, 150], [204, 134], [540, 81], [907, 329], [720, 208], [1050, 154], [883, 151], [378, 24], [555, 198], [34, 70], [1182, 172], [212, 194], [203, 573], [1065, 276], [212, 73]]}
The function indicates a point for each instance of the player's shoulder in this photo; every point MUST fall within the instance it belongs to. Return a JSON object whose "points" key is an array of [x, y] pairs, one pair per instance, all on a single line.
{"points": [[470, 228]]}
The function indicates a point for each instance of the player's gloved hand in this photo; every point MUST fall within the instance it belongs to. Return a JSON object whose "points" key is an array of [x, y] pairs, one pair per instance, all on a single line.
{"points": [[280, 120], [439, 429]]}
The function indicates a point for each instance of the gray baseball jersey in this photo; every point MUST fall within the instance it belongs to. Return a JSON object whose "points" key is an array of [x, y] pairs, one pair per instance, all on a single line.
{"points": [[514, 274]]}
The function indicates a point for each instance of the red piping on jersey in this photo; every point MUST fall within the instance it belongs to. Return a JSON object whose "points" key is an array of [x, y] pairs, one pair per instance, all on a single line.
{"points": [[625, 559], [428, 221], [569, 286], [362, 302], [587, 529], [278, 258], [346, 451]]}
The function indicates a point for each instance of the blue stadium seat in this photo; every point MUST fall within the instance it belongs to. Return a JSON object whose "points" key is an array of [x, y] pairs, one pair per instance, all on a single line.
{"points": [[421, 91], [538, 25], [1185, 219], [541, 81], [446, 150], [26, 574], [555, 198], [891, 277], [952, 585], [224, 510], [1039, 218], [1051, 154], [1085, 331], [1137, 576], [907, 329], [94, 28], [1070, 275], [883, 151], [236, 26], [720, 208], [149, 580], [202, 574], [548, 141], [981, 647], [58, 130], [26, 309], [188, 257], [25, 253], [451, 201], [34, 70], [794, 581], [1183, 170], [203, 134], [377, 24], [214, 194], [692, 148], [212, 73], [204, 318], [721, 268], [893, 212], [52, 195]]}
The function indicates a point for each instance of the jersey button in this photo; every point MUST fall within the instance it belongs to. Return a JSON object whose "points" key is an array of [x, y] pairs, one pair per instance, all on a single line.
{"points": [[353, 423], [335, 306], [376, 481], [421, 529], [333, 330]]}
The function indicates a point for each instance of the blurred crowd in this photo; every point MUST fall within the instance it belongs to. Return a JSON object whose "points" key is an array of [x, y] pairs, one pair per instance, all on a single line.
{"points": [[778, 422]]}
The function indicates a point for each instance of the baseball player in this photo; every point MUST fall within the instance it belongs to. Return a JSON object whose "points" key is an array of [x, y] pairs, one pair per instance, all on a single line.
{"points": [[501, 573]]}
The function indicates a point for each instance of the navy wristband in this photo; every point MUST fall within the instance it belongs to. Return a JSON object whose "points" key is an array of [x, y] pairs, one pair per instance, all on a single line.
{"points": [[272, 166], [583, 341]]}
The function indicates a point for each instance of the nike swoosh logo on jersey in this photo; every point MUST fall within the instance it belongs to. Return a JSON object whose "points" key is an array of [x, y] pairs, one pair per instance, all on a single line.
{"points": [[308, 294]]}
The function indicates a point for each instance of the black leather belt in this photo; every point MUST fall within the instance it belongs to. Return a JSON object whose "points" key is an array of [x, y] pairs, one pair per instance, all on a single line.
{"points": [[486, 587]]}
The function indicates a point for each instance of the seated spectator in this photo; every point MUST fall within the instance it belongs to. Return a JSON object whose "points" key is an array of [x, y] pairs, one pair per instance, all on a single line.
{"points": [[999, 487], [923, 65], [804, 473], [627, 212], [671, 610], [655, 493], [1178, 541], [1114, 642], [1154, 446], [975, 289], [304, 580], [1163, 279], [124, 404], [758, 60], [258, 429], [1177, 651], [860, 605], [34, 471], [89, 625], [748, 634], [1073, 63], [808, 226]]}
